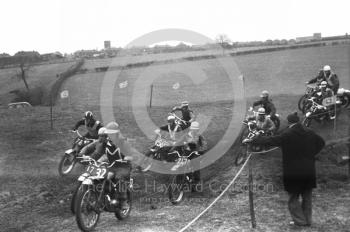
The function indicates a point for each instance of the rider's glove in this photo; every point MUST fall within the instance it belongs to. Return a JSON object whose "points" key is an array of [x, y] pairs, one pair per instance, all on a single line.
{"points": [[250, 108]]}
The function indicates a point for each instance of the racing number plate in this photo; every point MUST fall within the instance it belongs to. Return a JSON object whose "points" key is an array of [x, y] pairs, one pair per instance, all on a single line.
{"points": [[99, 172]]}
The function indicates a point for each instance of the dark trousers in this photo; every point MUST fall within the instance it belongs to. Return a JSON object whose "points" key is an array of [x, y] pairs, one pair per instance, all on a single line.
{"points": [[301, 212]]}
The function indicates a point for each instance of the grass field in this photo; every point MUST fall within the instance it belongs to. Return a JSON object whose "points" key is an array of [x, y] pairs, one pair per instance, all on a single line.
{"points": [[30, 150]]}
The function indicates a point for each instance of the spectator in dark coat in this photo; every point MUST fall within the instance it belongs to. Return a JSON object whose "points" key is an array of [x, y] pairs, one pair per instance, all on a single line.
{"points": [[299, 148]]}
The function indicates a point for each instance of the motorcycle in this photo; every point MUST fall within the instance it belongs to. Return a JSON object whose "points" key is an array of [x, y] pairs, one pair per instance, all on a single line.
{"points": [[94, 195], [343, 96], [156, 152], [310, 90], [251, 133], [181, 182], [315, 111], [69, 159]]}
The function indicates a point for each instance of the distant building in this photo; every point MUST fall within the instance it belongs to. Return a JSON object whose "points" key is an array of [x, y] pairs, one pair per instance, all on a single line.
{"points": [[107, 44], [314, 37]]}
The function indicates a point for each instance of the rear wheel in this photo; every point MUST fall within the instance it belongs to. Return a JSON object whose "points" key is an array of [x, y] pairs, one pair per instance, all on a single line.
{"points": [[345, 101], [176, 189], [87, 214], [66, 165], [123, 214]]}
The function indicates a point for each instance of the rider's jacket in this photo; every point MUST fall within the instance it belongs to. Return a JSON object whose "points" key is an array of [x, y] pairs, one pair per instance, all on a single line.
{"points": [[195, 142], [323, 94], [332, 80], [186, 113], [97, 149], [92, 127], [266, 125], [269, 107]]}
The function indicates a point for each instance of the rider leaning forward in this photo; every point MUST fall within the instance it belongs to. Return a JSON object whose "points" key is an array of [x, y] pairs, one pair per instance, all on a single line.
{"points": [[105, 150]]}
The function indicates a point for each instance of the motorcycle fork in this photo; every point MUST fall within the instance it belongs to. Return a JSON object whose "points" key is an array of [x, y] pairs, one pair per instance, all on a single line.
{"points": [[100, 203]]}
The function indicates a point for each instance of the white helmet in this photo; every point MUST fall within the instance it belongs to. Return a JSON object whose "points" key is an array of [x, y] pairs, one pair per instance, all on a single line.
{"points": [[171, 118], [102, 131], [323, 84], [194, 125], [184, 103], [326, 68], [264, 93], [261, 111]]}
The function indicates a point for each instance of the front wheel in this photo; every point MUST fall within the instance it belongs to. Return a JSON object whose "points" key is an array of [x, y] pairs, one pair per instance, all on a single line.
{"points": [[74, 197], [307, 122], [66, 165], [176, 189], [241, 155], [123, 214], [87, 214], [302, 102]]}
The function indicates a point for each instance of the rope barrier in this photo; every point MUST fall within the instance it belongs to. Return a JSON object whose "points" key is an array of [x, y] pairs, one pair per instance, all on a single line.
{"points": [[218, 197]]}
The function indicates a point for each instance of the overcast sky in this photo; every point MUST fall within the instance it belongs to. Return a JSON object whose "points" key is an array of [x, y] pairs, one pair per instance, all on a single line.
{"points": [[70, 25]]}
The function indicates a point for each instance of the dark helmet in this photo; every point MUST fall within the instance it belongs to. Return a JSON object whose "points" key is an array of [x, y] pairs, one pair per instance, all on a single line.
{"points": [[88, 115]]}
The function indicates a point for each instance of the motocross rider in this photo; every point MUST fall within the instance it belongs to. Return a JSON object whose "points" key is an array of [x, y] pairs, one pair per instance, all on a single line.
{"points": [[323, 94], [92, 126], [193, 141], [267, 104], [326, 74], [262, 122], [187, 114], [104, 150]]}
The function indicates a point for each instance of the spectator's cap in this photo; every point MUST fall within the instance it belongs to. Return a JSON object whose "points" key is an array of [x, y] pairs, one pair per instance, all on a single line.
{"points": [[194, 125], [171, 118], [264, 93], [293, 118], [112, 128], [261, 111], [184, 103], [88, 115], [327, 68]]}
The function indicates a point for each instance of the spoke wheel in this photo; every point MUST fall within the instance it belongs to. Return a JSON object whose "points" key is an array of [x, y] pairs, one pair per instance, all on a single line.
{"points": [[123, 214], [65, 166], [176, 189], [87, 215]]}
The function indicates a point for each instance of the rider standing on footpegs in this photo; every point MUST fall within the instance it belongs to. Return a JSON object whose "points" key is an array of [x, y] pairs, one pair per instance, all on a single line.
{"points": [[187, 114], [262, 122], [92, 126], [326, 74], [267, 104], [103, 149]]}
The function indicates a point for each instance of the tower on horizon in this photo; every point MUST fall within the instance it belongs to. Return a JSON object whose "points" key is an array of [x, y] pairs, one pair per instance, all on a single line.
{"points": [[107, 44]]}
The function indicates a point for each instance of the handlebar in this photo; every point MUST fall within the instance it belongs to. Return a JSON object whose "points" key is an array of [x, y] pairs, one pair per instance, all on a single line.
{"points": [[99, 164], [184, 156], [81, 136]]}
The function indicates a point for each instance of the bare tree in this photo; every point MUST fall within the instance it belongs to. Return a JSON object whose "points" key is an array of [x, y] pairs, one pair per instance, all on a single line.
{"points": [[22, 73], [223, 40]]}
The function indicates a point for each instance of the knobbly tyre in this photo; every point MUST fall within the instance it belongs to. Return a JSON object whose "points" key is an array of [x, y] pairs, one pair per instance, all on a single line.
{"points": [[95, 195], [183, 182], [156, 152], [69, 158], [315, 111], [310, 90], [253, 132]]}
